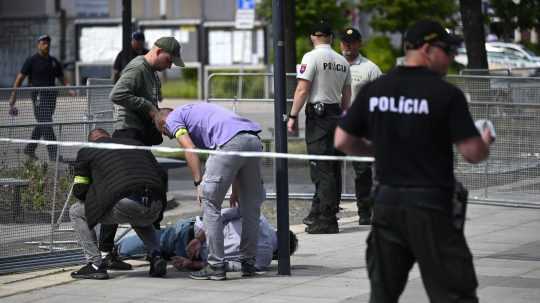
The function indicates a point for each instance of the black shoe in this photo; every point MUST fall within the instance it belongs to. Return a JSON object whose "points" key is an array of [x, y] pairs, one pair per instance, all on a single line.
{"points": [[364, 220], [248, 269], [91, 271], [158, 267], [323, 227], [365, 217], [112, 261], [209, 272], [310, 219]]}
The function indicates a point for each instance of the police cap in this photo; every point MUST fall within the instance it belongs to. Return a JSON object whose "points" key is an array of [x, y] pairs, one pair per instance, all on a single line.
{"points": [[350, 34], [44, 37], [428, 31], [321, 28]]}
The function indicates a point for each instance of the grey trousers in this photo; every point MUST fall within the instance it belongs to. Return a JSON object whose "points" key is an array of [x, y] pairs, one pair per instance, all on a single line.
{"points": [[124, 211], [220, 172]]}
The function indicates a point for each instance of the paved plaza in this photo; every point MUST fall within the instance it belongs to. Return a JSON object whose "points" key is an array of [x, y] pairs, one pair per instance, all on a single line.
{"points": [[326, 268]]}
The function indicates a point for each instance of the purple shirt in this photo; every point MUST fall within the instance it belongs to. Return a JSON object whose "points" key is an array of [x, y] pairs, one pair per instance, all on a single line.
{"points": [[209, 125]]}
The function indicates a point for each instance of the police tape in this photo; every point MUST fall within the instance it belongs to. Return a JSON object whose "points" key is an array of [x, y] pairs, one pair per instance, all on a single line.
{"points": [[192, 150]]}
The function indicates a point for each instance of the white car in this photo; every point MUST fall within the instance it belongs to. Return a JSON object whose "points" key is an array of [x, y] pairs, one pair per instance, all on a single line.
{"points": [[517, 50], [501, 58]]}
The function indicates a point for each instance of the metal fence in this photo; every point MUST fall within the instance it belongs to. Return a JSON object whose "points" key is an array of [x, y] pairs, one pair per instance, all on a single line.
{"points": [[35, 180], [35, 185], [510, 176]]}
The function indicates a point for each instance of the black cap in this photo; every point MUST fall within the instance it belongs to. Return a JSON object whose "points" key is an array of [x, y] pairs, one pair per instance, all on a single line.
{"points": [[350, 34], [427, 31], [137, 36], [321, 28], [44, 37]]}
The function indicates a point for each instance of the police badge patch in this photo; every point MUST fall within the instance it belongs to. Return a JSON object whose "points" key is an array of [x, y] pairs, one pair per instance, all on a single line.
{"points": [[303, 68]]}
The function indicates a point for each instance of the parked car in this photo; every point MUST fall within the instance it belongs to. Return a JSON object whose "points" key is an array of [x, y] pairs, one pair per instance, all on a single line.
{"points": [[516, 49], [504, 58]]}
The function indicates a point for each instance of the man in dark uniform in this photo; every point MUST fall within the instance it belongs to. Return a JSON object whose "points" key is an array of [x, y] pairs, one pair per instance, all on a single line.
{"points": [[410, 118], [117, 186], [123, 58], [41, 70], [324, 83]]}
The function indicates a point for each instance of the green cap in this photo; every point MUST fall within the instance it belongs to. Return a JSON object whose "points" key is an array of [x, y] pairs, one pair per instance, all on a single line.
{"points": [[171, 46]]}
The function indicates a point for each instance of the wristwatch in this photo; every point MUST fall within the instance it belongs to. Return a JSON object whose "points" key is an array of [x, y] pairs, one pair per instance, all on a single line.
{"points": [[197, 183], [292, 116]]}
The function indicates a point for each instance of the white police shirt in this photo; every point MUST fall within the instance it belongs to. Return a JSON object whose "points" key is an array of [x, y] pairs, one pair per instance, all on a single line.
{"points": [[362, 72], [328, 73]]}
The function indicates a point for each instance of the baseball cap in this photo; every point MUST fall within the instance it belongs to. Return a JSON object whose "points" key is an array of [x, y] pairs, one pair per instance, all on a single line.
{"points": [[138, 36], [428, 31], [171, 46], [321, 28], [44, 37], [350, 34]]}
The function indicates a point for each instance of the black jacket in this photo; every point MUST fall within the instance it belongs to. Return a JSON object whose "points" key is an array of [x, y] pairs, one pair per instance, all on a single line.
{"points": [[115, 174]]}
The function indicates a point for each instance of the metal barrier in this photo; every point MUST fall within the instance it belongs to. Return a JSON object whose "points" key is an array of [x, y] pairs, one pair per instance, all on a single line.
{"points": [[35, 180], [511, 176]]}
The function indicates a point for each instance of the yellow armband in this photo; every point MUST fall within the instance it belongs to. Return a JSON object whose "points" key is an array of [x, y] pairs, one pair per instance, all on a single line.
{"points": [[81, 180], [181, 132]]}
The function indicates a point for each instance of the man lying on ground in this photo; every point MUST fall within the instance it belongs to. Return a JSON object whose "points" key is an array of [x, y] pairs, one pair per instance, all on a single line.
{"points": [[185, 243]]}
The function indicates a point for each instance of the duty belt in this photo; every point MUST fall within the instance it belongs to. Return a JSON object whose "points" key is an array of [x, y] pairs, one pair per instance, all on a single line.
{"points": [[321, 109], [425, 197]]}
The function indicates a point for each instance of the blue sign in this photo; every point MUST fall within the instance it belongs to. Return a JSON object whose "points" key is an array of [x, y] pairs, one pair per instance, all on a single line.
{"points": [[245, 4]]}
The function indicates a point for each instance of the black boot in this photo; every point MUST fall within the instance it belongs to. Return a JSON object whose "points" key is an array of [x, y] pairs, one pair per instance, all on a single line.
{"points": [[113, 261], [323, 225], [158, 267]]}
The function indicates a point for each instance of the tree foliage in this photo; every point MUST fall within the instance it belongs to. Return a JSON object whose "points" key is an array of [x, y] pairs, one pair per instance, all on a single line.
{"points": [[524, 15], [398, 15], [309, 11]]}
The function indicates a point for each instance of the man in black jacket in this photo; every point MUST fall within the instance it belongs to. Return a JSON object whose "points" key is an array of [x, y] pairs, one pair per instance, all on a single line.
{"points": [[117, 186]]}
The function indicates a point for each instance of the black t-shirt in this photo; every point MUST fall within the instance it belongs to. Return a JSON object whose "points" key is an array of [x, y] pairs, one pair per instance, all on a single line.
{"points": [[123, 58], [412, 116], [41, 70]]}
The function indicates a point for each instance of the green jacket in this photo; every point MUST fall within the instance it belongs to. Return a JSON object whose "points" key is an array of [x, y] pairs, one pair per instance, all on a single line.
{"points": [[137, 91]]}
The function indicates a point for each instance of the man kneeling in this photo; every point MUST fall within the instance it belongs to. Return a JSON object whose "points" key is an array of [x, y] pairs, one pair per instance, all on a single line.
{"points": [[117, 186]]}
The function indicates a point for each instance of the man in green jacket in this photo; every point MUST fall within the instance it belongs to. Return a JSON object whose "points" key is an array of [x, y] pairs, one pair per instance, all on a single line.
{"points": [[136, 95], [138, 91]]}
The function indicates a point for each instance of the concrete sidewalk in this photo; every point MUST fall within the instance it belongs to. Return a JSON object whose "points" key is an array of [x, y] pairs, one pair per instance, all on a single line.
{"points": [[326, 268]]}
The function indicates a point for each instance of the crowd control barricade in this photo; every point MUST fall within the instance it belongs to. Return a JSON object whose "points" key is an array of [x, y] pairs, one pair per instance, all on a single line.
{"points": [[35, 181], [511, 176]]}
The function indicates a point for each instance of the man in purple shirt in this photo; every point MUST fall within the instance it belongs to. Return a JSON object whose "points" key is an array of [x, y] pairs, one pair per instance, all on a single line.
{"points": [[208, 126]]}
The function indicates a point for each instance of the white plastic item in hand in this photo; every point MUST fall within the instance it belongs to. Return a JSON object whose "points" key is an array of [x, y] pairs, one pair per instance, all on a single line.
{"points": [[483, 124]]}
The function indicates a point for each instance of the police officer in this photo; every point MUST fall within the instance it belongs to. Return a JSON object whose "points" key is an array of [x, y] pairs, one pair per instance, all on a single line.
{"points": [[324, 82], [410, 118], [41, 69], [362, 72], [124, 57]]}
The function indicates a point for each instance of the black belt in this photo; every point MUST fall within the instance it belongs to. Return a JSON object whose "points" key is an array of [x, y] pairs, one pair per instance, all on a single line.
{"points": [[424, 197]]}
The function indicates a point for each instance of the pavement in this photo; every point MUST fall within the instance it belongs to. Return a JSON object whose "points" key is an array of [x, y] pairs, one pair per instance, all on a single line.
{"points": [[326, 268]]}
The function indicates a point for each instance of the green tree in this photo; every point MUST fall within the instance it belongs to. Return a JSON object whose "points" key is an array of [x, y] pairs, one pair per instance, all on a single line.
{"points": [[396, 16], [512, 14], [307, 12]]}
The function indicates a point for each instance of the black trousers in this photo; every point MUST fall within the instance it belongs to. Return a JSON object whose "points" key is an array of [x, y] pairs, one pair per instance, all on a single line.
{"points": [[363, 183], [108, 231], [44, 104], [325, 175], [401, 236]]}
